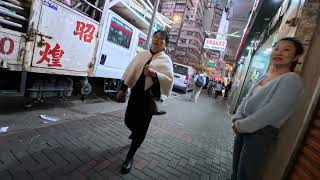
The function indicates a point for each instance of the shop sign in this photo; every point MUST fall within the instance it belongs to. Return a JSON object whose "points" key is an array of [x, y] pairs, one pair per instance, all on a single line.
{"points": [[211, 63], [215, 44]]}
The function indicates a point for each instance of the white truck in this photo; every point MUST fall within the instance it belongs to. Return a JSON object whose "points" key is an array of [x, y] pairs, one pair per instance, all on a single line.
{"points": [[53, 48]]}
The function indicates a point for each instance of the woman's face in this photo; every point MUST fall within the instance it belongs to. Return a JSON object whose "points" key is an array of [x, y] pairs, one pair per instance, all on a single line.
{"points": [[158, 43], [283, 53]]}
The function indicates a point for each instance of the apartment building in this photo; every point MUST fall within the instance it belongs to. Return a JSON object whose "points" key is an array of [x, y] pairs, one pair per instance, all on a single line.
{"points": [[187, 33]]}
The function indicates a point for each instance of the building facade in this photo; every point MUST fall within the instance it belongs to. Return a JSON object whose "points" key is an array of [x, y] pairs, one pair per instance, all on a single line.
{"points": [[186, 35]]}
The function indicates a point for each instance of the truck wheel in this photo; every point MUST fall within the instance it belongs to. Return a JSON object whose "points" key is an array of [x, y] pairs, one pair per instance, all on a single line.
{"points": [[86, 89]]}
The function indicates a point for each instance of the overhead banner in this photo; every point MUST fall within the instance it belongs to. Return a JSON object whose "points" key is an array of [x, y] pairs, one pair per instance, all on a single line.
{"points": [[215, 44]]}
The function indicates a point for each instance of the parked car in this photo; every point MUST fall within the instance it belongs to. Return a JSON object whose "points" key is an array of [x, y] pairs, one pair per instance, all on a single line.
{"points": [[183, 77]]}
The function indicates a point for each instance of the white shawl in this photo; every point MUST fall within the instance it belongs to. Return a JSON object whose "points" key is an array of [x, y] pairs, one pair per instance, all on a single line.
{"points": [[161, 64]]}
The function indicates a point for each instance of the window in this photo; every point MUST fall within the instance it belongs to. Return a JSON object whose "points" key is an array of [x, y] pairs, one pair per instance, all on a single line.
{"points": [[141, 43], [180, 69], [171, 44], [189, 33], [119, 33], [183, 41]]}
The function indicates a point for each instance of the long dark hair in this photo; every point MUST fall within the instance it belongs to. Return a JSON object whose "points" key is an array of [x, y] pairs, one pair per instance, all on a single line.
{"points": [[298, 49]]}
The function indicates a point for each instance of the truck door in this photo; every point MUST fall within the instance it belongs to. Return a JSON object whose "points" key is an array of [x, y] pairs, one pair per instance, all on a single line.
{"points": [[115, 50], [65, 39]]}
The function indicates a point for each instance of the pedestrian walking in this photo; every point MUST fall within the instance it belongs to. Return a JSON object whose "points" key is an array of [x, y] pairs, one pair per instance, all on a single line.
{"points": [[210, 88], [218, 89], [266, 107], [227, 89], [149, 75], [199, 82]]}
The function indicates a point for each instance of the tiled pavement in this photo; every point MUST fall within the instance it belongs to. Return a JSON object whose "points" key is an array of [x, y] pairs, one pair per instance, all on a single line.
{"points": [[95, 147]]}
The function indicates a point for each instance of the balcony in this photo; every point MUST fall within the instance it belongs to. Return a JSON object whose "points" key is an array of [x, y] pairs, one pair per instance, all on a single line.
{"points": [[193, 47], [181, 2], [176, 33], [179, 9], [191, 37]]}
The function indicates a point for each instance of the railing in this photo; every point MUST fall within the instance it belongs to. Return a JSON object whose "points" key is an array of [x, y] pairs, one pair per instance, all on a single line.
{"points": [[14, 15], [181, 1], [90, 8]]}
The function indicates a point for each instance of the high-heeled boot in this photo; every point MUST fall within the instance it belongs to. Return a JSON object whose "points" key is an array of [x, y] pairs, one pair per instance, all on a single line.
{"points": [[127, 164]]}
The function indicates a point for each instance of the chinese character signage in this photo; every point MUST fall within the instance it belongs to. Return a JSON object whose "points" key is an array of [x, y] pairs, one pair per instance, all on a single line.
{"points": [[72, 41], [85, 31], [215, 44], [55, 53]]}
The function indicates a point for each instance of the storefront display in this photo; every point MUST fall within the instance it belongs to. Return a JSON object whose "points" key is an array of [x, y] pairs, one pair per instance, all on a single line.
{"points": [[259, 65]]}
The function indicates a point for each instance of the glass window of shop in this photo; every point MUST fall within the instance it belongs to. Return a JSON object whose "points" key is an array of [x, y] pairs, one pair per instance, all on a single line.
{"points": [[258, 66]]}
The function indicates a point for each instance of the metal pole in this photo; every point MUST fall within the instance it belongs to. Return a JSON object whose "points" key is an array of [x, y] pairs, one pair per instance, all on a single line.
{"points": [[155, 10]]}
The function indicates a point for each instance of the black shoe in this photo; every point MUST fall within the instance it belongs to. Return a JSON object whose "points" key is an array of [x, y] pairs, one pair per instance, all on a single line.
{"points": [[131, 136], [159, 112], [126, 166]]}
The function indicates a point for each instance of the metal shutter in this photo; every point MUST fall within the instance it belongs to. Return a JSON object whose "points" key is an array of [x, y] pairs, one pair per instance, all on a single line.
{"points": [[307, 165]]}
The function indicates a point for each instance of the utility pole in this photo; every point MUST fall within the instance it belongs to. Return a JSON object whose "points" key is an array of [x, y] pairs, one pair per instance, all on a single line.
{"points": [[155, 10]]}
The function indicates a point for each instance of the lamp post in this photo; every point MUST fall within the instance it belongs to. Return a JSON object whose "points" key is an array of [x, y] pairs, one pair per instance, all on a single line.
{"points": [[155, 10]]}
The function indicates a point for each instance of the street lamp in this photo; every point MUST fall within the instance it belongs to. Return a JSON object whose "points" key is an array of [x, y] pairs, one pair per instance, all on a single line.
{"points": [[176, 19]]}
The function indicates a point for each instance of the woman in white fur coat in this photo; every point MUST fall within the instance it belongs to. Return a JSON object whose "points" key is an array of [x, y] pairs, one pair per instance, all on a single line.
{"points": [[149, 75]]}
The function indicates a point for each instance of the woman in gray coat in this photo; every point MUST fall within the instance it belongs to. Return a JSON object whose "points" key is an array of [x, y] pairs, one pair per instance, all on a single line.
{"points": [[266, 107]]}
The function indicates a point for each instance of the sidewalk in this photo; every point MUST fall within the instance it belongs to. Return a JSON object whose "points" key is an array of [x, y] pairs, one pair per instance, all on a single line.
{"points": [[95, 147], [17, 118]]}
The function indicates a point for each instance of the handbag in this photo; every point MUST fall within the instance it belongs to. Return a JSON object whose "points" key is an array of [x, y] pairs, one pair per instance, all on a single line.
{"points": [[159, 107]]}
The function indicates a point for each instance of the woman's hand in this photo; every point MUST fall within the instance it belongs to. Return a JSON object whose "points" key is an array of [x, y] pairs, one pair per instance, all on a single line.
{"points": [[234, 119], [121, 96], [234, 128], [149, 72]]}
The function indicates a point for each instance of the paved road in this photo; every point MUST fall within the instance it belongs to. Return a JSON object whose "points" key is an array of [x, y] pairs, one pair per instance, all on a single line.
{"points": [[193, 141]]}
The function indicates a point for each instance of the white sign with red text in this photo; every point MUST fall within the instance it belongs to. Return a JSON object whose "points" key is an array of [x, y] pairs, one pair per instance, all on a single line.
{"points": [[9, 47], [215, 44], [66, 39]]}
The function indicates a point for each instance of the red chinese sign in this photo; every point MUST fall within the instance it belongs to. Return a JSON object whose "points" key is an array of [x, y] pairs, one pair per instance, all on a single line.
{"points": [[84, 31], [3, 42], [56, 53], [215, 44]]}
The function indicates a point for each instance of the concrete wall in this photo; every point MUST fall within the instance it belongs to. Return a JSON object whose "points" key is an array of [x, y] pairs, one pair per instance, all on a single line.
{"points": [[308, 31]]}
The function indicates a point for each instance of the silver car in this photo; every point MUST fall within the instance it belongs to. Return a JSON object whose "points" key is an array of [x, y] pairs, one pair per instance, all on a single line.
{"points": [[183, 77]]}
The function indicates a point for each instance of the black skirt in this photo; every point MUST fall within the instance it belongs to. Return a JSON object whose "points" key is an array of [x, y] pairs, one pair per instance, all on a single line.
{"points": [[140, 108]]}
